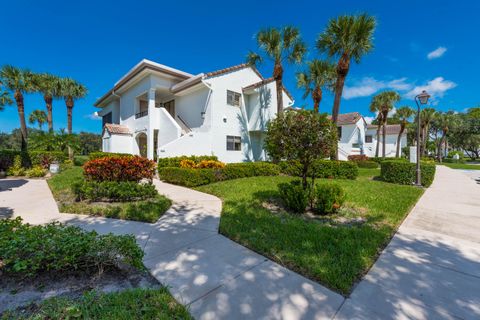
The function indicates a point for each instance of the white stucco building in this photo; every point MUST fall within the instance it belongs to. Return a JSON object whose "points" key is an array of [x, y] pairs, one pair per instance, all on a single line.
{"points": [[358, 137], [158, 111]]}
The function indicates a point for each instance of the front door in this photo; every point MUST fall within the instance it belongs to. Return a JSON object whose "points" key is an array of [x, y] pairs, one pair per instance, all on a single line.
{"points": [[170, 107]]}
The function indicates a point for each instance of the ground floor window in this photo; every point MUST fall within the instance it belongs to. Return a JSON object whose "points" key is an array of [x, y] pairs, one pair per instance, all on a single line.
{"points": [[368, 139], [234, 143]]}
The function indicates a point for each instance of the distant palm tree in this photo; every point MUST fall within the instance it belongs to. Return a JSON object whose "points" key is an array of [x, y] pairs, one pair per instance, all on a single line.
{"points": [[346, 37], [280, 46], [19, 81], [403, 114], [383, 103], [319, 74], [48, 85], [38, 116], [71, 90], [426, 117], [445, 122], [375, 106]]}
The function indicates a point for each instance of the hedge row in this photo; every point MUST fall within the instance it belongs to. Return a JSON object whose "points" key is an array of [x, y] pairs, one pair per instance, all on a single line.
{"points": [[403, 172], [196, 177], [113, 191], [323, 169], [100, 154], [30, 158], [175, 161]]}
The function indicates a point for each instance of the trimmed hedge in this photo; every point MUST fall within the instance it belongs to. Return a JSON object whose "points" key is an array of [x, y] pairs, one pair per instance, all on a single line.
{"points": [[403, 172], [101, 154], [119, 168], [30, 158], [379, 160], [367, 164], [175, 161], [323, 169], [114, 191], [196, 177], [27, 250]]}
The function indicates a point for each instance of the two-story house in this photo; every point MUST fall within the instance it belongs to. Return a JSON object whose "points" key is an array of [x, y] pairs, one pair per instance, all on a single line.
{"points": [[356, 137], [158, 111]]}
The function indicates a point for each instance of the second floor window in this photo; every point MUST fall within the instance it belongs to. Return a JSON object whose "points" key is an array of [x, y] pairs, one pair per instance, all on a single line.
{"points": [[233, 98], [339, 133], [368, 139]]}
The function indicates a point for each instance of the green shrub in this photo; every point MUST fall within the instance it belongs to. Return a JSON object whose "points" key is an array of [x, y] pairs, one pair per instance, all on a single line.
{"points": [[113, 191], [404, 172], [45, 158], [80, 160], [119, 168], [451, 160], [7, 158], [367, 164], [27, 250], [175, 161], [187, 177], [17, 168], [248, 169], [294, 196], [454, 152], [329, 197], [379, 160], [100, 154], [36, 172], [357, 157], [323, 169]]}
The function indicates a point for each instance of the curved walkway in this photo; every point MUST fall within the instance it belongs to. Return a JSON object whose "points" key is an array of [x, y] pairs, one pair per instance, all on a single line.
{"points": [[216, 277]]}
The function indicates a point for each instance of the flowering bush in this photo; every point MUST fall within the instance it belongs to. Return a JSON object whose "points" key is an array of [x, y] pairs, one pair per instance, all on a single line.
{"points": [[210, 164], [357, 157], [119, 168], [187, 163]]}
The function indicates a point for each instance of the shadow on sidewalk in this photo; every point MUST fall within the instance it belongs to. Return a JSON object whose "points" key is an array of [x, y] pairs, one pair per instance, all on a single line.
{"points": [[9, 184]]}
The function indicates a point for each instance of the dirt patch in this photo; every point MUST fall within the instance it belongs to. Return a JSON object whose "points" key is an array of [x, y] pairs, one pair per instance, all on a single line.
{"points": [[20, 294]]}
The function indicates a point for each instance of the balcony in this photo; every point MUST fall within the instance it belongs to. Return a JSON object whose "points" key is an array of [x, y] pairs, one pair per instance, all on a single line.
{"points": [[141, 114]]}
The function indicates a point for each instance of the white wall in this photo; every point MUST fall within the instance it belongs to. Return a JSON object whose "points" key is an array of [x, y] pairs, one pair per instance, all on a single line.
{"points": [[391, 144], [117, 143]]}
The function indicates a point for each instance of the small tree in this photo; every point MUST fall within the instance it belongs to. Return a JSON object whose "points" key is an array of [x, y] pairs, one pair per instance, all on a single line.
{"points": [[303, 136]]}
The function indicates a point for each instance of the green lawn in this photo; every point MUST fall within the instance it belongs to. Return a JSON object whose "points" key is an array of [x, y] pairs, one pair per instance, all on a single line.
{"points": [[334, 254], [463, 166], [149, 210], [129, 304]]}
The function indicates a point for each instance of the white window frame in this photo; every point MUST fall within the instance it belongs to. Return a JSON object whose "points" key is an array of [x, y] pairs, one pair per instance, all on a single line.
{"points": [[234, 143], [234, 98]]}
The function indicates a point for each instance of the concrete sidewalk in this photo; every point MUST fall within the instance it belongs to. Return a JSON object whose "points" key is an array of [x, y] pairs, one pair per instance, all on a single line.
{"points": [[431, 268], [216, 277]]}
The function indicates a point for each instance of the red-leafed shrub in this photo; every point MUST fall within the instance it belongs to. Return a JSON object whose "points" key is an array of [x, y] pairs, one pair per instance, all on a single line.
{"points": [[357, 157], [119, 168]]}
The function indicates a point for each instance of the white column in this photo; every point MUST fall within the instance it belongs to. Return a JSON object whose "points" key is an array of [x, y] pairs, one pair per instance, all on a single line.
{"points": [[150, 129]]}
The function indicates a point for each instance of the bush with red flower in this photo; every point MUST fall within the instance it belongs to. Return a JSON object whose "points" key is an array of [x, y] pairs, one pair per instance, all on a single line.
{"points": [[119, 168]]}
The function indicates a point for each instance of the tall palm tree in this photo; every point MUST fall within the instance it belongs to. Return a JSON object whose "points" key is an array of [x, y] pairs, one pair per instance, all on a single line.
{"points": [[71, 90], [445, 122], [403, 114], [280, 46], [376, 107], [19, 81], [38, 116], [383, 103], [319, 74], [47, 84], [426, 117], [346, 37]]}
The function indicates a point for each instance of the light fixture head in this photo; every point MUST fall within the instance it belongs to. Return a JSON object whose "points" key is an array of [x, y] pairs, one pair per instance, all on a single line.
{"points": [[423, 97]]}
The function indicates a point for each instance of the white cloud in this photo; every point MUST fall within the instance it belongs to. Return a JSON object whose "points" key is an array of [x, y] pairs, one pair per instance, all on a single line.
{"points": [[93, 116], [437, 53], [368, 86], [369, 119], [436, 88]]}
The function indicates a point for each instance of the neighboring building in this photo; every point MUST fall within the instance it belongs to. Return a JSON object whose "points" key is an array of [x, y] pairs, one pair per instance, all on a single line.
{"points": [[358, 137], [158, 111]]}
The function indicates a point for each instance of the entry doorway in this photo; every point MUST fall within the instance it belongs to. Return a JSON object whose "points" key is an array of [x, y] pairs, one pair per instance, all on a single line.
{"points": [[142, 144], [170, 107]]}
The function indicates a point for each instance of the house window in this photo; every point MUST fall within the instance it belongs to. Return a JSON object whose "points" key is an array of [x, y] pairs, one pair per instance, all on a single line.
{"points": [[339, 133], [368, 139], [106, 119], [234, 143], [233, 98]]}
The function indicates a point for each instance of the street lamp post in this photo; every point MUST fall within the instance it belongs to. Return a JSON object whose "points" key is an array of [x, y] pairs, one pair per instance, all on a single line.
{"points": [[421, 98]]}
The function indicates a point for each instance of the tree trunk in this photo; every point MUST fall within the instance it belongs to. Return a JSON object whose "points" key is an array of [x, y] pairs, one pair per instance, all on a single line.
{"points": [[317, 98], [278, 75], [377, 150], [440, 144], [48, 101], [342, 71], [21, 115], [399, 138], [384, 136], [69, 103]]}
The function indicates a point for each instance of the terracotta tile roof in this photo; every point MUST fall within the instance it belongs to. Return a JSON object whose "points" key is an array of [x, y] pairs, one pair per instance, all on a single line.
{"points": [[230, 69], [263, 82], [391, 128], [347, 118], [116, 128]]}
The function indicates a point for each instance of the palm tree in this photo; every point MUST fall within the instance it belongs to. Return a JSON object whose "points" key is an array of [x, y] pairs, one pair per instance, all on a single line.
{"points": [[19, 81], [279, 45], [38, 116], [383, 103], [71, 90], [346, 37], [47, 84], [445, 122], [375, 106], [426, 117], [402, 114], [320, 74], [5, 99]]}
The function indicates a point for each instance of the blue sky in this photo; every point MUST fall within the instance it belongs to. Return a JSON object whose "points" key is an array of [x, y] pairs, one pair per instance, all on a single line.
{"points": [[418, 44]]}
